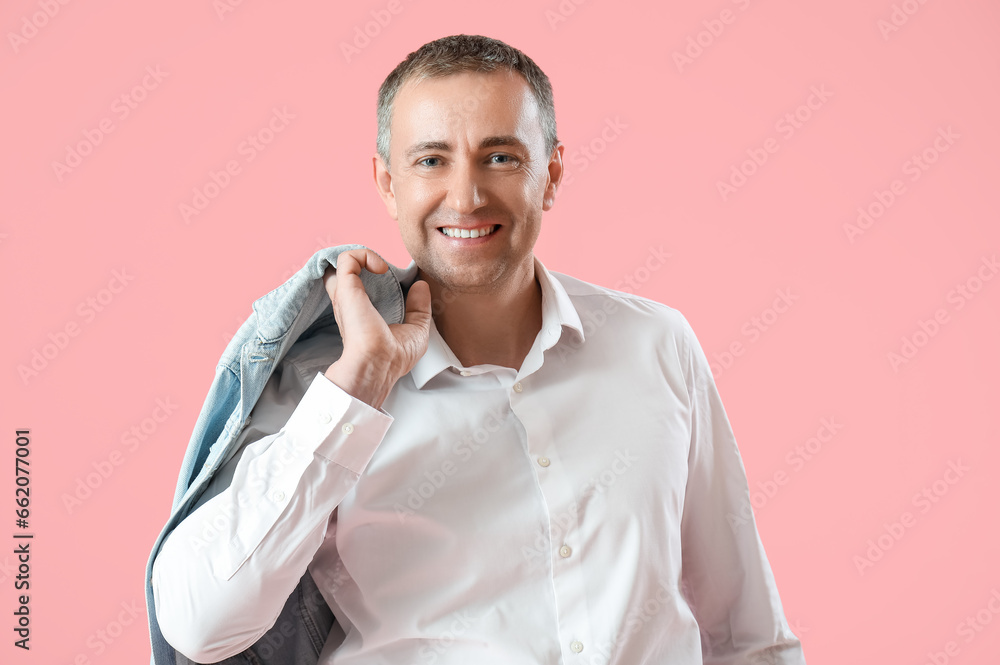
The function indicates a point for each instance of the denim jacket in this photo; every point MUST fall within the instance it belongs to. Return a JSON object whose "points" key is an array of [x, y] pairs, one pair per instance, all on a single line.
{"points": [[295, 310]]}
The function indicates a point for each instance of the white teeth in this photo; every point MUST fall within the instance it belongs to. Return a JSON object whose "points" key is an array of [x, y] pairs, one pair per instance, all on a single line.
{"points": [[467, 233]]}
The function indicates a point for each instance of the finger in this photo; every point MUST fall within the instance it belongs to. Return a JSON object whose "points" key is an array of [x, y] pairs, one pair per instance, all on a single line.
{"points": [[418, 304], [353, 260], [330, 280], [350, 290]]}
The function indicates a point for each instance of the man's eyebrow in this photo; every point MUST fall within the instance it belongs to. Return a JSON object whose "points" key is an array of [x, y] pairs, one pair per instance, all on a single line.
{"points": [[506, 139], [444, 146], [427, 145]]}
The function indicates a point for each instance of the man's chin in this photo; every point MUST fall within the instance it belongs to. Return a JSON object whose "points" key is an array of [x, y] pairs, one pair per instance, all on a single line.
{"points": [[445, 284]]}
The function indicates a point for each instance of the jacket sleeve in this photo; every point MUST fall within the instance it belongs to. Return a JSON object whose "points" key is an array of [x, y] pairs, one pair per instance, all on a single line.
{"points": [[726, 573], [224, 573]]}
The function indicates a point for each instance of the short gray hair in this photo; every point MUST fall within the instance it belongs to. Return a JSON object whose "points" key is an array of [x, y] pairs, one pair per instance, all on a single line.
{"points": [[464, 53]]}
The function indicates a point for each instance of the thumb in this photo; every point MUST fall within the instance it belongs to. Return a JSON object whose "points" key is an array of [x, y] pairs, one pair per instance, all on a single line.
{"points": [[418, 304]]}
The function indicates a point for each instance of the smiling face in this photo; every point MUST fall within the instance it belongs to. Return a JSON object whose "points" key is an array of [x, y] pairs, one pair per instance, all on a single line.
{"points": [[468, 159]]}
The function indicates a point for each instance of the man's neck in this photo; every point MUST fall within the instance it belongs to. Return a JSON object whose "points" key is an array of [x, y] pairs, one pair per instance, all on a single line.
{"points": [[496, 328]]}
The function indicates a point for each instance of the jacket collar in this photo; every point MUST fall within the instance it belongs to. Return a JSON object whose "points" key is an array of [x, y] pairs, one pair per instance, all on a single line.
{"points": [[557, 311]]}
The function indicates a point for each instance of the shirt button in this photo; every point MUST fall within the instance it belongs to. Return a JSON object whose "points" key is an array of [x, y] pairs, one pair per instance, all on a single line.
{"points": [[348, 428], [465, 372], [278, 496], [576, 646], [517, 387], [325, 417], [565, 551], [544, 461]]}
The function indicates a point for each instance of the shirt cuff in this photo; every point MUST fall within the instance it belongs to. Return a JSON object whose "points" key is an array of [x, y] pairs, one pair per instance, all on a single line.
{"points": [[348, 430]]}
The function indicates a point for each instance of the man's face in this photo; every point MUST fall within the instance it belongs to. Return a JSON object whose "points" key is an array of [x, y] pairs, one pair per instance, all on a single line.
{"points": [[467, 152]]}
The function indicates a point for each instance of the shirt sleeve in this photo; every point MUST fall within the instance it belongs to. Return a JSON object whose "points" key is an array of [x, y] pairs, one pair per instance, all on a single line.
{"points": [[224, 573], [725, 572]]}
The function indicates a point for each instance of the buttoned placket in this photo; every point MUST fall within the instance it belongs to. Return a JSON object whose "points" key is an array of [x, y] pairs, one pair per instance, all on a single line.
{"points": [[554, 485]]}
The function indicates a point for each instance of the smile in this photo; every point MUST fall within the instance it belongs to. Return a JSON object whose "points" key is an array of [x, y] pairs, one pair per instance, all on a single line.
{"points": [[454, 232]]}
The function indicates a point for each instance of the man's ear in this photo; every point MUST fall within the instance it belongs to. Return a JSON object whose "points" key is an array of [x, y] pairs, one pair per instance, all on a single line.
{"points": [[383, 183], [555, 169]]}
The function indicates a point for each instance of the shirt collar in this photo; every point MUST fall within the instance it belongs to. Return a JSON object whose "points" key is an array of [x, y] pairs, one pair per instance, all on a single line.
{"points": [[557, 311]]}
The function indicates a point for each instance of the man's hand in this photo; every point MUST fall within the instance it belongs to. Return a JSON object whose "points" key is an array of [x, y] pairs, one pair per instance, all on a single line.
{"points": [[375, 354]]}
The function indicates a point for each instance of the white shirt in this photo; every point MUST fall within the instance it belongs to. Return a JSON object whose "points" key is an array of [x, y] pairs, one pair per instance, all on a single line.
{"points": [[573, 511]]}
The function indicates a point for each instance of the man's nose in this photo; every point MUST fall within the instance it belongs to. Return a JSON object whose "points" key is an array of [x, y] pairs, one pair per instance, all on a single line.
{"points": [[465, 190]]}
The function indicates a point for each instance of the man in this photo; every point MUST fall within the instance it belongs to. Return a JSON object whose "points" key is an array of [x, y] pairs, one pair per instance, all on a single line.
{"points": [[526, 469]]}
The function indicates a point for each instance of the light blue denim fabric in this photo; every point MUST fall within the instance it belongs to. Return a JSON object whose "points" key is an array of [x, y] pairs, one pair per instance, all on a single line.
{"points": [[295, 310]]}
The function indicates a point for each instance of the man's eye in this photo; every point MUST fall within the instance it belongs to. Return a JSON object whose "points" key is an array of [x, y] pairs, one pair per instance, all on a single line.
{"points": [[428, 159], [504, 159]]}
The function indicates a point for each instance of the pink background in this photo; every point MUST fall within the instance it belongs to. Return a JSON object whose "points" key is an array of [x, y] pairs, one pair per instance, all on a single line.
{"points": [[651, 184]]}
